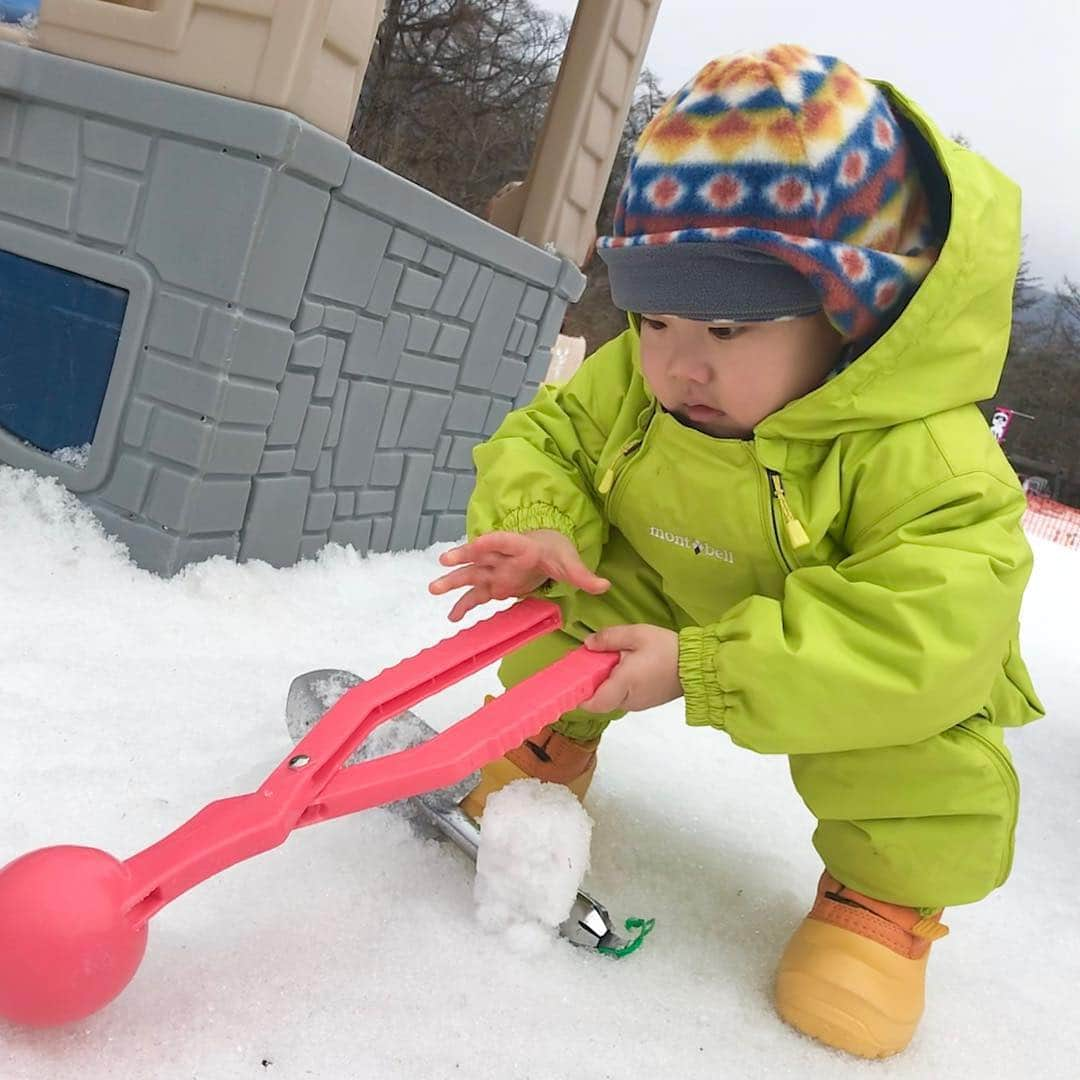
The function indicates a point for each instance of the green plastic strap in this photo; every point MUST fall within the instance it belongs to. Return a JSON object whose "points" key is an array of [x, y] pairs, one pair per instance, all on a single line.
{"points": [[644, 929]]}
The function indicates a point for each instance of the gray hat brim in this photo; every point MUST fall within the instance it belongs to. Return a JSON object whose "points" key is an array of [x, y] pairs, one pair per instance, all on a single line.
{"points": [[707, 281]]}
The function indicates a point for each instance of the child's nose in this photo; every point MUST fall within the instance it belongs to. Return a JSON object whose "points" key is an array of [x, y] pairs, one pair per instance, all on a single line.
{"points": [[690, 369]]}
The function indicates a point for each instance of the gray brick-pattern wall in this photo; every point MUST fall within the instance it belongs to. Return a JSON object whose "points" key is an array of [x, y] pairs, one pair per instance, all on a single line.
{"points": [[385, 395], [319, 344]]}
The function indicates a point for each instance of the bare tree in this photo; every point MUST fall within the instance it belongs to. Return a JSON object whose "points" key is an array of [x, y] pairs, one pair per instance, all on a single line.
{"points": [[1026, 331], [456, 91], [1068, 317], [1027, 285]]}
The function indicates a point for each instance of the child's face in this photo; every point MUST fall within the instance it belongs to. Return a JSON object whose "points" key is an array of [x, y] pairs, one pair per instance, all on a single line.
{"points": [[724, 378]]}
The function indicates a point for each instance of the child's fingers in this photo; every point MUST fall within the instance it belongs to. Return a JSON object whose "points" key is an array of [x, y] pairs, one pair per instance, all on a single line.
{"points": [[456, 556], [473, 598], [579, 575], [496, 543], [456, 579], [613, 639], [505, 543], [595, 585], [610, 695], [462, 554]]}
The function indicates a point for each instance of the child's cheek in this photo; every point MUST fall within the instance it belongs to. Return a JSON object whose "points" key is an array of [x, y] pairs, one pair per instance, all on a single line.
{"points": [[652, 369]]}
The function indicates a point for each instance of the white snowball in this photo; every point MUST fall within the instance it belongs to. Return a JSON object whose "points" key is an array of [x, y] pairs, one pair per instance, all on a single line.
{"points": [[534, 853]]}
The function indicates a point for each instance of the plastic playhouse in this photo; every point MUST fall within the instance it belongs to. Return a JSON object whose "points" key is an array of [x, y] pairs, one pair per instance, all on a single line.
{"points": [[231, 335]]}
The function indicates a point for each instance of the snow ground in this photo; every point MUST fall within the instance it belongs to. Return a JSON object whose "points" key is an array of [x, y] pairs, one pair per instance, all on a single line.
{"points": [[128, 702]]}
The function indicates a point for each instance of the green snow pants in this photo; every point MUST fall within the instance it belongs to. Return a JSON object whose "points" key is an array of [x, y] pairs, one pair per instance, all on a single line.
{"points": [[927, 825]]}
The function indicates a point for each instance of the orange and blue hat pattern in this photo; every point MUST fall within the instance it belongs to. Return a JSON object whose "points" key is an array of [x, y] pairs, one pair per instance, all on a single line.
{"points": [[794, 155]]}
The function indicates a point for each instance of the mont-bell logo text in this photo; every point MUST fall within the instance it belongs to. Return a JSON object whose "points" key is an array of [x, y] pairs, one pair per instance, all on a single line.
{"points": [[698, 547]]}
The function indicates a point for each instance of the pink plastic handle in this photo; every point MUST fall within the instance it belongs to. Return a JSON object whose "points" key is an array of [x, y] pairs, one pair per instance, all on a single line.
{"points": [[481, 737], [309, 786]]}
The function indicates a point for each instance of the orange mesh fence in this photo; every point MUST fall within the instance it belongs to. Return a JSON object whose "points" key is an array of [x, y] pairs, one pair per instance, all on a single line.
{"points": [[1051, 520]]}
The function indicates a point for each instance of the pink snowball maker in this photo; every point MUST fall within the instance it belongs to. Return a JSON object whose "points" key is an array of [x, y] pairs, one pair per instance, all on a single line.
{"points": [[73, 920]]}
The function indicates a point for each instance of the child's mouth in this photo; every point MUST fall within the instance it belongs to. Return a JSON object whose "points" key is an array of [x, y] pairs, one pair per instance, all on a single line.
{"points": [[701, 412]]}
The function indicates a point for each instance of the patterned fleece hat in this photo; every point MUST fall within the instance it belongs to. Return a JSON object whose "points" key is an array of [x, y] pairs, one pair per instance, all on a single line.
{"points": [[772, 186]]}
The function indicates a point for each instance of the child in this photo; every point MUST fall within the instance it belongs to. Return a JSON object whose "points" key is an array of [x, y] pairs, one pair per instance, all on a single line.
{"points": [[774, 497]]}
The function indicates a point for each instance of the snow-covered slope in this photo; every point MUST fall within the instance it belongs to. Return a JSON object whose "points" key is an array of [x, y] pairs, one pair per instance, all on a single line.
{"points": [[128, 702]]}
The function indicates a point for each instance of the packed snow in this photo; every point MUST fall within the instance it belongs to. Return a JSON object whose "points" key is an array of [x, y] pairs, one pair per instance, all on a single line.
{"points": [[534, 853], [128, 702], [73, 455]]}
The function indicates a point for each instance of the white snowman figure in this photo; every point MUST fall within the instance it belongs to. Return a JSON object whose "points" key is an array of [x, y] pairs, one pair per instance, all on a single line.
{"points": [[999, 423]]}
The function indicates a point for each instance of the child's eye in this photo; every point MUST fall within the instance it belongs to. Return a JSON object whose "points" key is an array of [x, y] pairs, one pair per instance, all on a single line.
{"points": [[653, 324], [724, 333]]}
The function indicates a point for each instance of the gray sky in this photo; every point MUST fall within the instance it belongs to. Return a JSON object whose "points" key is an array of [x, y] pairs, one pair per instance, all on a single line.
{"points": [[1004, 74]]}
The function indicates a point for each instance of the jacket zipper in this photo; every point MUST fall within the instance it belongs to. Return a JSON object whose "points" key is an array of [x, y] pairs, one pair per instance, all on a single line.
{"points": [[607, 481], [777, 496], [792, 525]]}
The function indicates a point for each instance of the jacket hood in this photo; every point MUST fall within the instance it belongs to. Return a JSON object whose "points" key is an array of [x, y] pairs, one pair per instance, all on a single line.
{"points": [[947, 348]]}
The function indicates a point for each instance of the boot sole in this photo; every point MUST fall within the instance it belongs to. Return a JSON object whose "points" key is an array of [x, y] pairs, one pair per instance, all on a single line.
{"points": [[849, 992]]}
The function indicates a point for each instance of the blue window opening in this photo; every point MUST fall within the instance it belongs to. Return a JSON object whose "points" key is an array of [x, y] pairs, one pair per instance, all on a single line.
{"points": [[58, 337], [14, 11]]}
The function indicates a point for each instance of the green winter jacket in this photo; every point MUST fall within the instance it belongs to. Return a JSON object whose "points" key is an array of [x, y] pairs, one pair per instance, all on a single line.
{"points": [[852, 574]]}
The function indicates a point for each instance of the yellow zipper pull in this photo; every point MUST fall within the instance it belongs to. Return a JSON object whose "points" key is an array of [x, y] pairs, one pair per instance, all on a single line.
{"points": [[796, 532], [608, 479]]}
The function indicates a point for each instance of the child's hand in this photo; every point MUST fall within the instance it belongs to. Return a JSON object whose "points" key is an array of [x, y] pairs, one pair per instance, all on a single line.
{"points": [[646, 675], [503, 564]]}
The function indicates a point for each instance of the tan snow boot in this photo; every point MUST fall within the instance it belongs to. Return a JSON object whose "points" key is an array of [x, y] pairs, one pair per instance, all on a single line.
{"points": [[854, 972], [548, 756]]}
